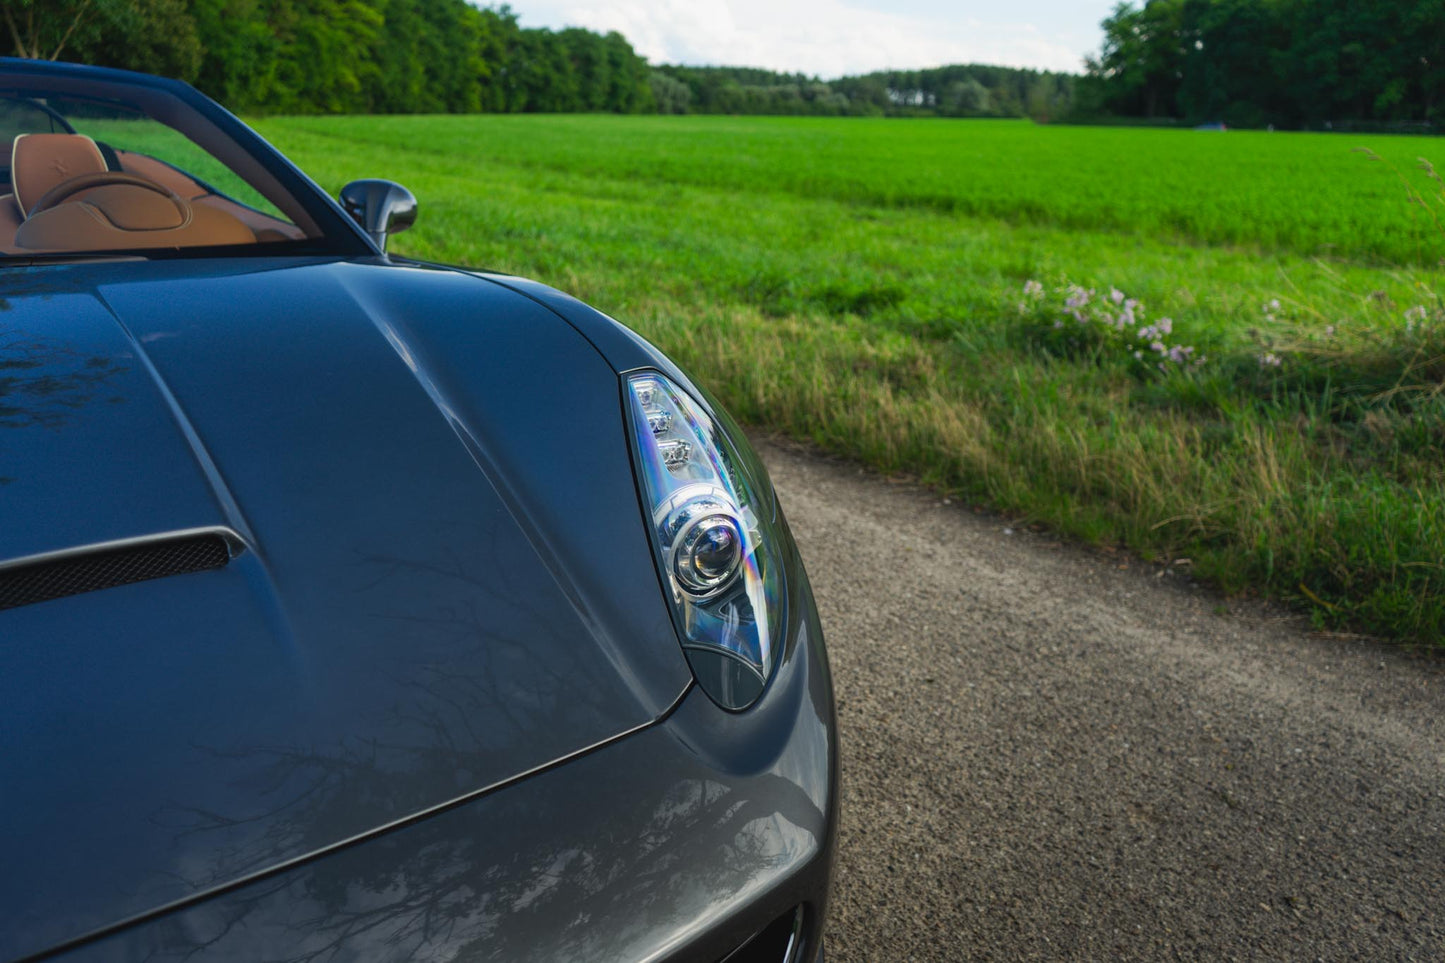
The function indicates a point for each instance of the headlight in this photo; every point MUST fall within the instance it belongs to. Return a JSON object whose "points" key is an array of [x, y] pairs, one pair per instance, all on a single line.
{"points": [[713, 526]]}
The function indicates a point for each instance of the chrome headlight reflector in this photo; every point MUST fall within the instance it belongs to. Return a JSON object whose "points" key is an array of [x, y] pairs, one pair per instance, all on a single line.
{"points": [[714, 531]]}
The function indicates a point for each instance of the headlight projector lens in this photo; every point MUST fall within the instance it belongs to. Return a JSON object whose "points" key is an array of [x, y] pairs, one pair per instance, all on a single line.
{"points": [[707, 554], [713, 527]]}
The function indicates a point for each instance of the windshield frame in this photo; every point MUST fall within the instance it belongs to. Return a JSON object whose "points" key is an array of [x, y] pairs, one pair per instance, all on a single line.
{"points": [[217, 131]]}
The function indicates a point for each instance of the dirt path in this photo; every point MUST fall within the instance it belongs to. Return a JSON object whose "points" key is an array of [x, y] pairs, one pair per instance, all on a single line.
{"points": [[1051, 753]]}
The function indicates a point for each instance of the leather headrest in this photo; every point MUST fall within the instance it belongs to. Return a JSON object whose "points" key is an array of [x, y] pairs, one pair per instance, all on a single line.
{"points": [[39, 162]]}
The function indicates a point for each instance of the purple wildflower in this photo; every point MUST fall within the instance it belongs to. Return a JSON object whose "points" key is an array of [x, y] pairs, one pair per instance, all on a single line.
{"points": [[1119, 319]]}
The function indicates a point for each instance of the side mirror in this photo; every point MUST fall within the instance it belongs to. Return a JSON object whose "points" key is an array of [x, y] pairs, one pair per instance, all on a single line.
{"points": [[382, 208]]}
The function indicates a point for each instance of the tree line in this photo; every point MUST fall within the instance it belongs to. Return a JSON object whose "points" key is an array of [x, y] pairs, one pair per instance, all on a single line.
{"points": [[1289, 63], [964, 90], [439, 56], [342, 56]]}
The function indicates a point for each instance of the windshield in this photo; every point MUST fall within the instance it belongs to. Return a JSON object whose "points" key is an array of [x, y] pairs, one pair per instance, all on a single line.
{"points": [[94, 167]]}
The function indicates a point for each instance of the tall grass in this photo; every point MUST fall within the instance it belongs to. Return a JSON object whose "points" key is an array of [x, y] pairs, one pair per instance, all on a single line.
{"points": [[1340, 507]]}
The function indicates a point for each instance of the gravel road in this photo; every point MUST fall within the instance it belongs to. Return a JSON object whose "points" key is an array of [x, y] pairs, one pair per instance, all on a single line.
{"points": [[1054, 753]]}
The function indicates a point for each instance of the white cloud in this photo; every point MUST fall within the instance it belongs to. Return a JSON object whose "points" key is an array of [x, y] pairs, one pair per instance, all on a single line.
{"points": [[824, 37]]}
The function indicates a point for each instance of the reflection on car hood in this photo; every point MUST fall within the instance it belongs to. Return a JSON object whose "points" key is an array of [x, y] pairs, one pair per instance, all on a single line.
{"points": [[445, 584]]}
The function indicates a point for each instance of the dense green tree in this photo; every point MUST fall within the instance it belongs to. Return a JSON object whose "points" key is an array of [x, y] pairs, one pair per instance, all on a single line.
{"points": [[42, 29], [671, 95], [158, 36], [1425, 24], [629, 89], [1141, 64], [319, 67], [1285, 62], [1225, 77], [965, 98], [241, 52], [309, 56]]}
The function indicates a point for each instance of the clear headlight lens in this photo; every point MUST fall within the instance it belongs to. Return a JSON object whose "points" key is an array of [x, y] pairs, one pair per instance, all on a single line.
{"points": [[715, 537]]}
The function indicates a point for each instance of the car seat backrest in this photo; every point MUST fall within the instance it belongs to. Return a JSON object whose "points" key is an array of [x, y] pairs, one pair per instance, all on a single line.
{"points": [[39, 162]]}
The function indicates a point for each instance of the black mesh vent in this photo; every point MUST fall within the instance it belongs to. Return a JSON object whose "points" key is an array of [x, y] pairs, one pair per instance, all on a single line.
{"points": [[104, 569]]}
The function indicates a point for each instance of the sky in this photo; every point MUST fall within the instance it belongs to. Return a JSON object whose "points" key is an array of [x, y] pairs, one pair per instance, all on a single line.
{"points": [[832, 38]]}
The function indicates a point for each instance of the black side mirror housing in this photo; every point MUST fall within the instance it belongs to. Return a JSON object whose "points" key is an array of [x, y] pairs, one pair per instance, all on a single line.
{"points": [[382, 208]]}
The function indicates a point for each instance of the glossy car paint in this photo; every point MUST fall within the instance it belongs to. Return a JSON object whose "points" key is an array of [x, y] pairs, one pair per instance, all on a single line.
{"points": [[677, 842], [436, 706]]}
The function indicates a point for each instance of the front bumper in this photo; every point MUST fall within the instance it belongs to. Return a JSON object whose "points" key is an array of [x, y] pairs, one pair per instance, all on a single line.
{"points": [[681, 841]]}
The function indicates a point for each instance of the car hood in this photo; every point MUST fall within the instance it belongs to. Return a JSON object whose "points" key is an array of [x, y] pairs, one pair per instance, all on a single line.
{"points": [[445, 581]]}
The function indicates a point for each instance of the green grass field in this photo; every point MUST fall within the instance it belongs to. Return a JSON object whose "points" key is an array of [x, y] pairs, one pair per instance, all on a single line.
{"points": [[861, 283]]}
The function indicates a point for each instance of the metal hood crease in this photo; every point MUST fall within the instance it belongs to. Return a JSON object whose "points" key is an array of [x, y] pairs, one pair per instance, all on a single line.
{"points": [[465, 634]]}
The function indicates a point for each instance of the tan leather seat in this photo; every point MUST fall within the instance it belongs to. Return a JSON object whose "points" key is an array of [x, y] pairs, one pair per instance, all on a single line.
{"points": [[107, 216], [40, 162], [122, 217], [154, 170]]}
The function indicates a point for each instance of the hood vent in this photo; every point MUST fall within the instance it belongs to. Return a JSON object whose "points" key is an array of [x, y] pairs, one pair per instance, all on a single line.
{"points": [[71, 572]]}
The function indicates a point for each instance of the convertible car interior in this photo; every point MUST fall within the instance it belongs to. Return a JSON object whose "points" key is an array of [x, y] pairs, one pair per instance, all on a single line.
{"points": [[70, 193]]}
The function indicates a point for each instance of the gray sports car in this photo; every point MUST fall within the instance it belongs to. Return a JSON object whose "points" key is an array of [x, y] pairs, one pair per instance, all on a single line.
{"points": [[354, 608]]}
